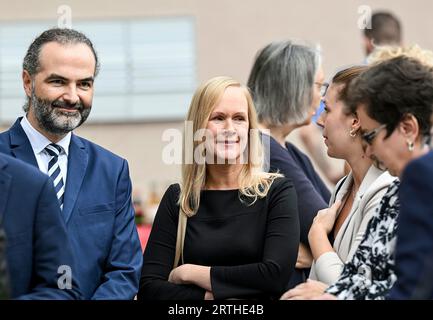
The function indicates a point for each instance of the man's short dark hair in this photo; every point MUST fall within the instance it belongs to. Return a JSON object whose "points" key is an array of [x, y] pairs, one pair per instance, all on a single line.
{"points": [[62, 36], [393, 89], [385, 29]]}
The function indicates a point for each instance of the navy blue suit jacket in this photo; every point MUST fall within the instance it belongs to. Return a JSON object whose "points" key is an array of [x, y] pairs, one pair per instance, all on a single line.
{"points": [[414, 250], [98, 213], [311, 191], [37, 242]]}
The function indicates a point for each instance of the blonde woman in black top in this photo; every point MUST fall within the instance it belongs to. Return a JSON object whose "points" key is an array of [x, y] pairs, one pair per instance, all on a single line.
{"points": [[242, 233]]}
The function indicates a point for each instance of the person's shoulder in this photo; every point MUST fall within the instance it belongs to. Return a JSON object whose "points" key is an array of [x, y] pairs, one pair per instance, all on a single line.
{"points": [[172, 193], [274, 147], [20, 170], [283, 159], [294, 149], [5, 141], [169, 201], [418, 173], [377, 180], [174, 189], [341, 182], [292, 162], [384, 181], [13, 164], [281, 183], [422, 164], [282, 188], [298, 154], [4, 136], [95, 149]]}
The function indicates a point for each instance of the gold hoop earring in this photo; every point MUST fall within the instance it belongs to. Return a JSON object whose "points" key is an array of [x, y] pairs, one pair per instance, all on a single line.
{"points": [[352, 133]]}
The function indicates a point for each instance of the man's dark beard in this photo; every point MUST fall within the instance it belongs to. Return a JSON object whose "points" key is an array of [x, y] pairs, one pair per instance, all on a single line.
{"points": [[54, 121]]}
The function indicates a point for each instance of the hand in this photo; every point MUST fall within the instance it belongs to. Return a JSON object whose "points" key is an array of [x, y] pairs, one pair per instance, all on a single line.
{"points": [[179, 275], [305, 259], [326, 296], [209, 296], [305, 291], [191, 274], [325, 219]]}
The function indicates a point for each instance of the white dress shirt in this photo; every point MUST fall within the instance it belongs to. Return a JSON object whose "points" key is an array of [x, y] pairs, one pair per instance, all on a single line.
{"points": [[38, 142]]}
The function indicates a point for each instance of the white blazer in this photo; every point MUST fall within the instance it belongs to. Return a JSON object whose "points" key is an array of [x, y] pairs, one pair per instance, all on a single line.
{"points": [[327, 268]]}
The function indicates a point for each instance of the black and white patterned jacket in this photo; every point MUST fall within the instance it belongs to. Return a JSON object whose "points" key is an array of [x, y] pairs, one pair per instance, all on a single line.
{"points": [[370, 272]]}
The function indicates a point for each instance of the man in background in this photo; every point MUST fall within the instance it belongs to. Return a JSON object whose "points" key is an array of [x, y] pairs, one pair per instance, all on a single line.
{"points": [[385, 30]]}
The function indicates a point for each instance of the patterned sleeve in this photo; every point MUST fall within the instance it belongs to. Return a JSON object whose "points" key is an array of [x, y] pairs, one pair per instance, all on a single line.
{"points": [[370, 273]]}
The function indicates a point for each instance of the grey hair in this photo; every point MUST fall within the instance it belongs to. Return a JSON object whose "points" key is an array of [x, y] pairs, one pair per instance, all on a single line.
{"points": [[282, 80], [62, 36]]}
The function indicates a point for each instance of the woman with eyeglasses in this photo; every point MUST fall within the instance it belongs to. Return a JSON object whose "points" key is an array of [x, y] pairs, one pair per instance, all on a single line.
{"points": [[394, 102], [285, 82], [240, 224], [337, 231]]}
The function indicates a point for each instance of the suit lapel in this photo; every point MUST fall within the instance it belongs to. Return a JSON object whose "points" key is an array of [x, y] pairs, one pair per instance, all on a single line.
{"points": [[5, 183], [20, 144], [343, 190], [77, 165]]}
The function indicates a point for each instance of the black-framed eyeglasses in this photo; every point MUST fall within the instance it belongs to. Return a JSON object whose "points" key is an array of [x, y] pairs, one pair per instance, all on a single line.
{"points": [[323, 88], [368, 137]]}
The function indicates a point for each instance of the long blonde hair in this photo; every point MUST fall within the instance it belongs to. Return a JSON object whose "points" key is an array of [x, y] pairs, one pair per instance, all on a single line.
{"points": [[253, 181]]}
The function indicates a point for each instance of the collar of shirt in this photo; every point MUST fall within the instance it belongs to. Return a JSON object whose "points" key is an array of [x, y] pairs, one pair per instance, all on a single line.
{"points": [[38, 141]]}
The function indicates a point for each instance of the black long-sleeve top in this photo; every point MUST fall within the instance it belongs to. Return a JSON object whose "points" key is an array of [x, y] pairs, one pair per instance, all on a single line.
{"points": [[251, 249]]}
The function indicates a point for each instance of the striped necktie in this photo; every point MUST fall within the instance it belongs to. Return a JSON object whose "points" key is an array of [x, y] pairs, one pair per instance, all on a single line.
{"points": [[54, 172]]}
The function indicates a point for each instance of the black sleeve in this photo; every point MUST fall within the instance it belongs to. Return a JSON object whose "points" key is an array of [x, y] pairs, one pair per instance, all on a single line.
{"points": [[309, 199], [158, 258], [270, 276]]}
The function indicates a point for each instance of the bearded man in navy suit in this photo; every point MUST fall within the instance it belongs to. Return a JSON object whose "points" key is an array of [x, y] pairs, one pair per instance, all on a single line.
{"points": [[92, 185]]}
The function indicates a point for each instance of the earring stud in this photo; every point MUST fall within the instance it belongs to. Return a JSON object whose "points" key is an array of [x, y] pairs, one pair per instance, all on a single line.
{"points": [[410, 145]]}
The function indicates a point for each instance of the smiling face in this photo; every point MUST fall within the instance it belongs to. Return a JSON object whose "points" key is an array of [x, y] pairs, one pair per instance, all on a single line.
{"points": [[336, 124], [61, 92], [228, 126]]}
